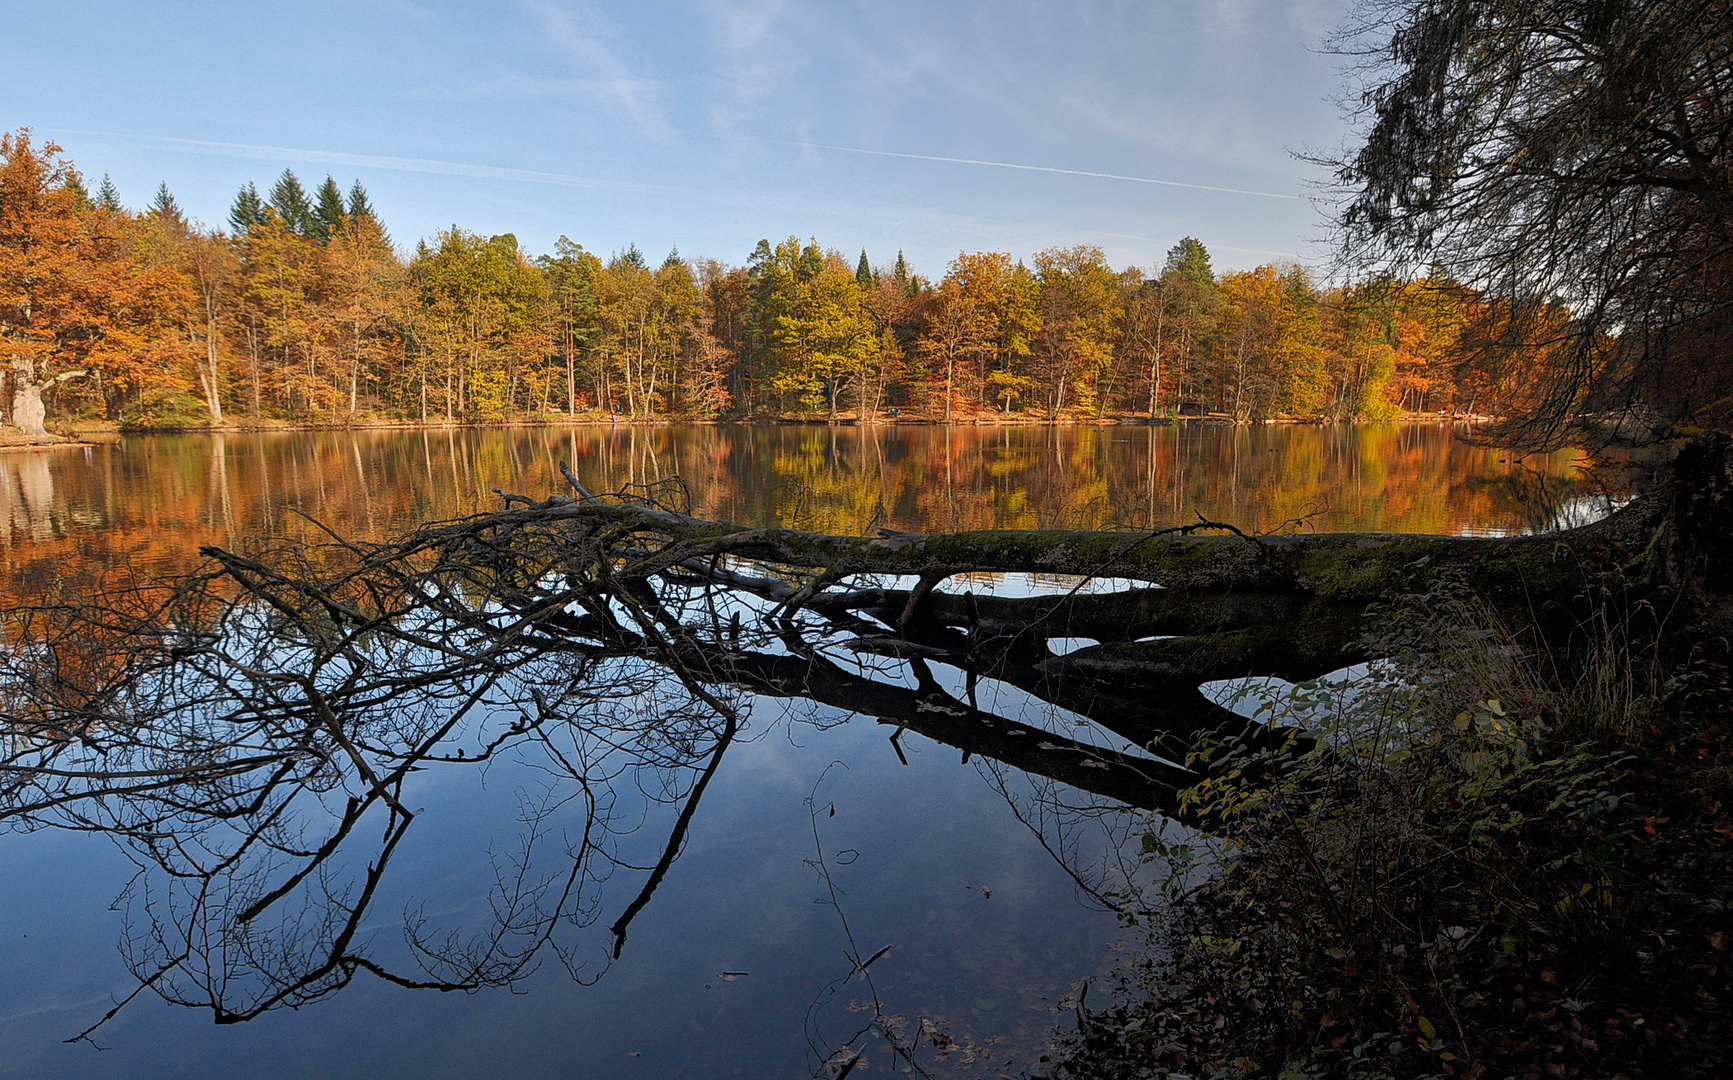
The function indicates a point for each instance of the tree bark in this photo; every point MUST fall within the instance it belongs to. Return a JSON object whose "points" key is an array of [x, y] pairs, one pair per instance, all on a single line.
{"points": [[28, 412]]}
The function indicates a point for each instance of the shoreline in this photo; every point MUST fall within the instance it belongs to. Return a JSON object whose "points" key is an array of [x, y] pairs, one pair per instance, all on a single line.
{"points": [[92, 434], [16, 440]]}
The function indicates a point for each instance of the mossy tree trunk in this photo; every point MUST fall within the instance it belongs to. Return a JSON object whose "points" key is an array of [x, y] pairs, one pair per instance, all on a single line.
{"points": [[1215, 604]]}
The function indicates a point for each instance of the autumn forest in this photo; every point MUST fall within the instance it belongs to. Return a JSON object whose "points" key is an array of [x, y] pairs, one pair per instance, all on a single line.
{"points": [[302, 309]]}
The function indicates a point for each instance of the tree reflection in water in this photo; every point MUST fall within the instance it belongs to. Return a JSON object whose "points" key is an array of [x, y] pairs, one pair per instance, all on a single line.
{"points": [[254, 735]]}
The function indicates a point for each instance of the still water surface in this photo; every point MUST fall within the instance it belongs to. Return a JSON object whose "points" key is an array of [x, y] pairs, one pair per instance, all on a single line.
{"points": [[915, 849], [152, 501]]}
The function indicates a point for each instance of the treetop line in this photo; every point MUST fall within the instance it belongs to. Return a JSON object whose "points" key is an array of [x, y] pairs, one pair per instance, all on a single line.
{"points": [[304, 311]]}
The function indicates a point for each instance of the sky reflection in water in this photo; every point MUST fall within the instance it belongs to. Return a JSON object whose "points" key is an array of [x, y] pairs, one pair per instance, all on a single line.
{"points": [[921, 843], [740, 899]]}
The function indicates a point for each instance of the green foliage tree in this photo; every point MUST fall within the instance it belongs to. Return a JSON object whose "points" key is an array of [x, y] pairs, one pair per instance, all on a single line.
{"points": [[906, 281], [825, 338], [576, 313], [108, 196], [1191, 303], [247, 212], [1189, 259], [359, 205], [328, 212], [294, 210], [1080, 314], [482, 303], [75, 183], [280, 289], [163, 205]]}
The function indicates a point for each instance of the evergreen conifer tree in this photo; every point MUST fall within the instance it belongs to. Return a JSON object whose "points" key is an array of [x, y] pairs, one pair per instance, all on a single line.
{"points": [[108, 196], [164, 205], [248, 212], [359, 206], [75, 184], [1191, 260], [328, 211], [863, 272], [673, 258], [907, 283], [289, 200]]}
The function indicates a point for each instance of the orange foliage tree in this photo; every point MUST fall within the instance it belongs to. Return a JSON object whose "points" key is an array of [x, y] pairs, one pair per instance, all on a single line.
{"points": [[62, 275]]}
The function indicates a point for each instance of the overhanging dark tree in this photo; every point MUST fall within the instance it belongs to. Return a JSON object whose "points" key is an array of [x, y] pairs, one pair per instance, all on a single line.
{"points": [[1557, 153]]}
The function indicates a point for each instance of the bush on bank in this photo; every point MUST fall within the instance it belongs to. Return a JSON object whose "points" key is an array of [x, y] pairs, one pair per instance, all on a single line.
{"points": [[1491, 861]]}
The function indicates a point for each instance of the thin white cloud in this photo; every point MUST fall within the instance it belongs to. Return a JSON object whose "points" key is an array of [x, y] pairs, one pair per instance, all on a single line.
{"points": [[579, 34], [752, 57], [1044, 169], [533, 86], [367, 161]]}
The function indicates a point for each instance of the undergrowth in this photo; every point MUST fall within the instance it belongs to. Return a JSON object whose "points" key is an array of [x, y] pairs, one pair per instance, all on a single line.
{"points": [[1481, 858]]}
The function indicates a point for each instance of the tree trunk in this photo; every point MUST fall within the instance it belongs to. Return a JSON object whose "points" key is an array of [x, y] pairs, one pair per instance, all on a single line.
{"points": [[1227, 607], [28, 412], [571, 384], [253, 363], [213, 372]]}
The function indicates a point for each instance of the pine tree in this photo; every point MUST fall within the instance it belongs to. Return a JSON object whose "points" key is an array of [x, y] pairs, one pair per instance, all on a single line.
{"points": [[289, 200], [673, 258], [907, 283], [328, 211], [863, 272], [359, 206], [75, 184], [1191, 259], [164, 205], [248, 212], [108, 196]]}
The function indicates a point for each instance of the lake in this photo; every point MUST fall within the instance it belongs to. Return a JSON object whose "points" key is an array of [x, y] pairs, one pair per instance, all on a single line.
{"points": [[818, 845]]}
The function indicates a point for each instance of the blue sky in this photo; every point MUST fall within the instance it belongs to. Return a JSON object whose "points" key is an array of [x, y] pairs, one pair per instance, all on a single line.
{"points": [[710, 125]]}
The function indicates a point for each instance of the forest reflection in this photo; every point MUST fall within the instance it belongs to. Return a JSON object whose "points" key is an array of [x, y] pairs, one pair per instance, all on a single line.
{"points": [[152, 501]]}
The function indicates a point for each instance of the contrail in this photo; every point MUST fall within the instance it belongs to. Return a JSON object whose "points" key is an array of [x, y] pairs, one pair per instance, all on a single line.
{"points": [[496, 172], [373, 161], [1045, 169]]}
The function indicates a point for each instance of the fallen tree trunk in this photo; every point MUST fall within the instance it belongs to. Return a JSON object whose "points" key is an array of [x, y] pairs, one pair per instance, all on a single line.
{"points": [[1215, 604]]}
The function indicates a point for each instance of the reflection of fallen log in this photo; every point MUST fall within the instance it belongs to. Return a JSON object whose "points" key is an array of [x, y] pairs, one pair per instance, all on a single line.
{"points": [[931, 712], [1215, 607]]}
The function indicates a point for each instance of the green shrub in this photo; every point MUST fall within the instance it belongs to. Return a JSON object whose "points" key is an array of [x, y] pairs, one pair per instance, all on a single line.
{"points": [[165, 409]]}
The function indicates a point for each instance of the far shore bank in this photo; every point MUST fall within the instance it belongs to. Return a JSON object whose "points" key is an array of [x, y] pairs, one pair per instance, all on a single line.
{"points": [[90, 433], [13, 439]]}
